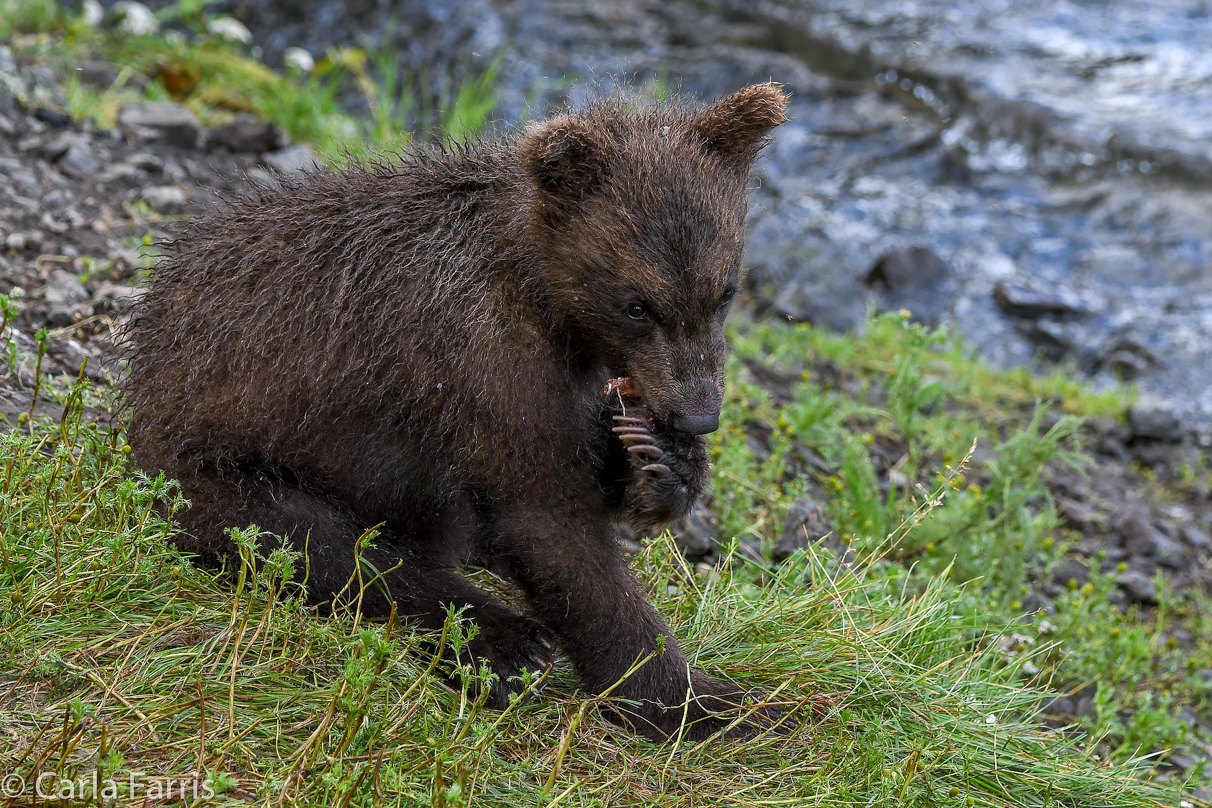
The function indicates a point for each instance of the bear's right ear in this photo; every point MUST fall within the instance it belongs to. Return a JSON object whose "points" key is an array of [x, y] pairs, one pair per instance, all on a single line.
{"points": [[563, 157], [736, 127]]}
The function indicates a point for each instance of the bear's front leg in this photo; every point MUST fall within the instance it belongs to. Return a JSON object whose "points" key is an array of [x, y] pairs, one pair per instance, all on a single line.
{"points": [[669, 469], [581, 589]]}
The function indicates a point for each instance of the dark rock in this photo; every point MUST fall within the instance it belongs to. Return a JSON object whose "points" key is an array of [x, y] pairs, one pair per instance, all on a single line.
{"points": [[750, 549], [146, 161], [1078, 514], [53, 116], [628, 540], [247, 134], [806, 521], [1026, 299], [833, 304], [1137, 586], [913, 279], [292, 159], [1060, 707], [173, 123], [1169, 553], [57, 146], [78, 161], [695, 533], [1070, 570], [1155, 423], [1135, 526]]}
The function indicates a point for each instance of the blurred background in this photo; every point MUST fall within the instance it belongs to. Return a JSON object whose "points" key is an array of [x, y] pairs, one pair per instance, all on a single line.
{"points": [[1036, 172]]}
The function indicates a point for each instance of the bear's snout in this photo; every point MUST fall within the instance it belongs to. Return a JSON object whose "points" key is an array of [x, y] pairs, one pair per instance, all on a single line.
{"points": [[698, 410], [696, 424]]}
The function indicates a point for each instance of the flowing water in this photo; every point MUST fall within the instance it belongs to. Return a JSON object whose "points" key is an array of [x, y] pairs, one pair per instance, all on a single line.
{"points": [[1053, 158]]}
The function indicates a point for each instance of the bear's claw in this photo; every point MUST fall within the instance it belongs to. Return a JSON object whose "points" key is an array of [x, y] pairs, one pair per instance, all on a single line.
{"points": [[639, 441]]}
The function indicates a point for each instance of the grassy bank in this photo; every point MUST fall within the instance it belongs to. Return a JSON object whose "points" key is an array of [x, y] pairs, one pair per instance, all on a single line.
{"points": [[915, 680], [920, 645]]}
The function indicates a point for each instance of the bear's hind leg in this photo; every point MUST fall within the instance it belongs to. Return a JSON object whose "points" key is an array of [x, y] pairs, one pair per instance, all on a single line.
{"points": [[400, 568]]}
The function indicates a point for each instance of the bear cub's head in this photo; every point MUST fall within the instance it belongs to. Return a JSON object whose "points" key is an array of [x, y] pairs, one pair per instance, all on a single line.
{"points": [[639, 220]]}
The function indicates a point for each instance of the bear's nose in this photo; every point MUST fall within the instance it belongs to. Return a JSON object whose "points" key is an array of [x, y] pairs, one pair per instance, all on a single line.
{"points": [[696, 424]]}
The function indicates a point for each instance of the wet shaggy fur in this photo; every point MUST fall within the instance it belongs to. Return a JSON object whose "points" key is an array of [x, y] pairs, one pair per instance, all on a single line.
{"points": [[423, 345]]}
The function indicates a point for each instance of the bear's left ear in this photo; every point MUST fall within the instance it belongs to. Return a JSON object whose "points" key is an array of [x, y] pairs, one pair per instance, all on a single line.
{"points": [[564, 157], [736, 127]]}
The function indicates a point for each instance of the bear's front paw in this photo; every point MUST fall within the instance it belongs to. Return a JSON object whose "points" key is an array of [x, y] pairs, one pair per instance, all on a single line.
{"points": [[709, 708], [670, 470], [511, 645]]}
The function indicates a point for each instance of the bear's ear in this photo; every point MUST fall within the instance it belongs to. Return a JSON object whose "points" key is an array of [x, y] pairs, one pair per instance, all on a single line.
{"points": [[563, 156], [736, 127]]}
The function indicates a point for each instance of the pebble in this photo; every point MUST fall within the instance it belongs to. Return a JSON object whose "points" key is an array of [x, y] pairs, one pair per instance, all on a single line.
{"points": [[292, 159], [695, 533], [1138, 586], [1155, 423], [1134, 526], [174, 123], [806, 521], [913, 279], [165, 198], [247, 134], [135, 18], [1196, 537], [1026, 299]]}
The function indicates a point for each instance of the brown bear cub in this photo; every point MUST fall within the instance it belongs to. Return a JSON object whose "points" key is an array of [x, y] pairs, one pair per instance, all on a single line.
{"points": [[425, 345]]}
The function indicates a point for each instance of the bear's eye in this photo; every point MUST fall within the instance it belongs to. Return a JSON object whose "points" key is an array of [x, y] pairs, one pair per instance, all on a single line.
{"points": [[637, 311], [726, 298]]}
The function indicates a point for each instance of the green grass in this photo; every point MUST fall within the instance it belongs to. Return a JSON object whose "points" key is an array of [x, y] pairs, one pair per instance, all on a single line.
{"points": [[900, 395], [355, 102], [119, 655], [917, 674]]}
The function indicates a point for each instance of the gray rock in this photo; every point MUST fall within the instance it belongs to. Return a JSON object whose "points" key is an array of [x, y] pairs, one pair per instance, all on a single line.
{"points": [[247, 134], [833, 304], [1155, 423], [806, 521], [165, 198], [43, 92], [12, 86], [1137, 586], [1170, 553], [115, 298], [292, 159], [1135, 526], [1070, 569], [57, 146], [63, 287], [695, 533], [913, 279], [149, 120], [78, 161], [1196, 537], [1027, 299]]}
